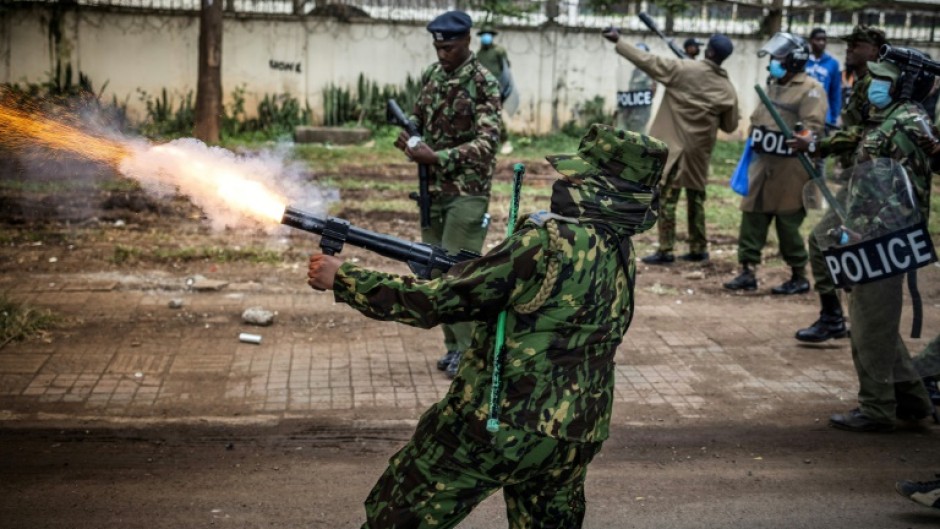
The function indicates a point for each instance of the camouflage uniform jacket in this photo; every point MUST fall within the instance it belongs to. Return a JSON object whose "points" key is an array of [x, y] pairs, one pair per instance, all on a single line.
{"points": [[903, 133], [558, 361], [492, 58], [855, 121], [458, 114]]}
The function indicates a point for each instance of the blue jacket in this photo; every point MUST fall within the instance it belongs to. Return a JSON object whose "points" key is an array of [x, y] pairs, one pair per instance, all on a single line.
{"points": [[826, 71]]}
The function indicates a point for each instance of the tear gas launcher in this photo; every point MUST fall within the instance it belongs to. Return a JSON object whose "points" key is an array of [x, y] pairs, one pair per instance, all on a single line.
{"points": [[422, 258], [651, 24]]}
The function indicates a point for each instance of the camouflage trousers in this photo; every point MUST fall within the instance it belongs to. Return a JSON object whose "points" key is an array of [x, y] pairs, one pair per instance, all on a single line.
{"points": [[445, 471], [886, 376], [822, 281], [457, 224], [752, 237], [695, 206]]}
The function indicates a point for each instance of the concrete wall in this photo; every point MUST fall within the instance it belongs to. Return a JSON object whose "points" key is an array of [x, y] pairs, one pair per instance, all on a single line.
{"points": [[555, 68]]}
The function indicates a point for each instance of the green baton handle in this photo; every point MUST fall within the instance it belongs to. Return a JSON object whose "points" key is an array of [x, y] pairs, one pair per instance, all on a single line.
{"points": [[807, 164], [492, 422]]}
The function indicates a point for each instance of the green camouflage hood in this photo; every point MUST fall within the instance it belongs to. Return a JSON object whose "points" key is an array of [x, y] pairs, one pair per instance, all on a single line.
{"points": [[612, 179]]}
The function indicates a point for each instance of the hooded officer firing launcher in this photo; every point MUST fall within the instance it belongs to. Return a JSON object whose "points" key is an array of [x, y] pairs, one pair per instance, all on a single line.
{"points": [[422, 258]]}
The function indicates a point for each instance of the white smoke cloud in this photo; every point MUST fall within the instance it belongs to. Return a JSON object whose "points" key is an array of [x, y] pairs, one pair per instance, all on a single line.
{"points": [[235, 191]]}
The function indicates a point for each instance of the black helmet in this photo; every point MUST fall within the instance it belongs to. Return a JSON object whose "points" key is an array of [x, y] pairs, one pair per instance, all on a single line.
{"points": [[790, 50]]}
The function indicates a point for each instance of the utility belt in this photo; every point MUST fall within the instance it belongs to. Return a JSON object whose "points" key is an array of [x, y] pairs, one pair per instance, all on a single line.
{"points": [[772, 142]]}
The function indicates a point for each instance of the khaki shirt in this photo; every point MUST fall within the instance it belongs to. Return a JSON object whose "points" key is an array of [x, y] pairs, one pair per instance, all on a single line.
{"points": [[776, 179], [698, 100]]}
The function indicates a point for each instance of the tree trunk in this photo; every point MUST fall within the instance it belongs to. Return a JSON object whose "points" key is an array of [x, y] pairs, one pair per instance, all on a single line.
{"points": [[209, 87], [774, 21]]}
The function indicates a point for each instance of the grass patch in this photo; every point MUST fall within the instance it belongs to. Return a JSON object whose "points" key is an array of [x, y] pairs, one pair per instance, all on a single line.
{"points": [[358, 184], [528, 148], [380, 150], [128, 255], [19, 322]]}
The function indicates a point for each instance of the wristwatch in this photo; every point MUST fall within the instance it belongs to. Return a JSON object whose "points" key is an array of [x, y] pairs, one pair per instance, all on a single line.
{"points": [[812, 147], [414, 141]]}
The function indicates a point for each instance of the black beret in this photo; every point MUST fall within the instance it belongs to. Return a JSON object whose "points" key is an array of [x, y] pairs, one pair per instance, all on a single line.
{"points": [[451, 25]]}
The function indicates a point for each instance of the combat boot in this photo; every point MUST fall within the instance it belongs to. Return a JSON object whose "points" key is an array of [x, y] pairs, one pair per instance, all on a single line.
{"points": [[831, 322], [659, 258], [933, 390], [454, 365], [445, 360], [746, 280], [926, 493], [797, 284], [856, 421]]}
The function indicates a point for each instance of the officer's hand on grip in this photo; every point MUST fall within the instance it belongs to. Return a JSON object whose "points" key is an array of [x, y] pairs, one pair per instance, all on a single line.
{"points": [[611, 34], [802, 143], [401, 142], [422, 154], [321, 272]]}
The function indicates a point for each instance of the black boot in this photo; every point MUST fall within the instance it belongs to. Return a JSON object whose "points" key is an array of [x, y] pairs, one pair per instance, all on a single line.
{"points": [[831, 322], [445, 360], [797, 284], [659, 258], [746, 280], [933, 390], [454, 365]]}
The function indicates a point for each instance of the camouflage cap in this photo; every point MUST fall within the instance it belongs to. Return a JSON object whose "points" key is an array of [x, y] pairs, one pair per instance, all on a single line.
{"points": [[488, 28], [870, 34], [614, 159]]}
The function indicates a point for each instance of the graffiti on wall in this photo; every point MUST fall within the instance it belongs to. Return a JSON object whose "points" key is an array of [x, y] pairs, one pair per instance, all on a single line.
{"points": [[284, 66]]}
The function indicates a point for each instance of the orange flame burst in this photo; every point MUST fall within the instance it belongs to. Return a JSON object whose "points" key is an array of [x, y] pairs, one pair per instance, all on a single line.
{"points": [[19, 129], [217, 183]]}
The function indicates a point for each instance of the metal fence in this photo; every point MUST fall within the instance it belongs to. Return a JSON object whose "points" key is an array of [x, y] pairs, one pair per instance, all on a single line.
{"points": [[702, 17]]}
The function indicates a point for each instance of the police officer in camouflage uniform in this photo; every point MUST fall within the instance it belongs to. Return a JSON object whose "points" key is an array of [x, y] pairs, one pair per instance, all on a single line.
{"points": [[493, 56], [458, 113], [495, 59], [862, 45], [776, 177], [565, 279], [889, 386]]}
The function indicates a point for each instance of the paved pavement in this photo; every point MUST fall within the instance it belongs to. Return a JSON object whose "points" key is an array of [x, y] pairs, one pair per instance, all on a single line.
{"points": [[125, 354]]}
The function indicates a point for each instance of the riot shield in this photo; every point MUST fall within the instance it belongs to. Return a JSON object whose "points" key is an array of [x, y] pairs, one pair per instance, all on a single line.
{"points": [[507, 90], [883, 233], [882, 237]]}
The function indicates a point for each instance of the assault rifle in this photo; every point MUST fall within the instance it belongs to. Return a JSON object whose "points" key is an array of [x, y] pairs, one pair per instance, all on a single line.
{"points": [[650, 23], [395, 116], [422, 258]]}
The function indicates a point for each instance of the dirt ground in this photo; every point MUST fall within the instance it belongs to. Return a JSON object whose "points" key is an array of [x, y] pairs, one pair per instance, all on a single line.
{"points": [[779, 472]]}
